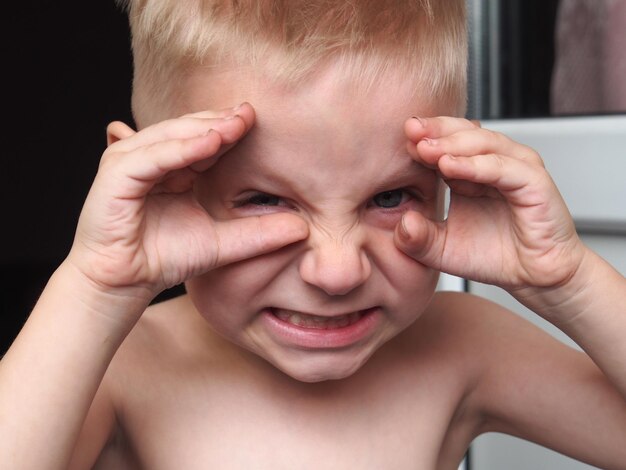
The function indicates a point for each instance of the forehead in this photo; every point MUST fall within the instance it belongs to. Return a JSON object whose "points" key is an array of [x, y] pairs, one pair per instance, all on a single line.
{"points": [[327, 128], [334, 92]]}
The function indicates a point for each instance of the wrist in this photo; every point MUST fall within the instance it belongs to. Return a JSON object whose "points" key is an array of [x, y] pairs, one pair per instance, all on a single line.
{"points": [[118, 307], [563, 302]]}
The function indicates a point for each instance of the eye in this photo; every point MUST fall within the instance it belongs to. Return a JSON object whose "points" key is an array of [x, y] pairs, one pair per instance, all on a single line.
{"points": [[263, 200], [390, 199], [260, 200]]}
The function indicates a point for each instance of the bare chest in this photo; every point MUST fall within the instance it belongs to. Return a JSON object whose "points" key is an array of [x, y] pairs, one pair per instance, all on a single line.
{"points": [[242, 425]]}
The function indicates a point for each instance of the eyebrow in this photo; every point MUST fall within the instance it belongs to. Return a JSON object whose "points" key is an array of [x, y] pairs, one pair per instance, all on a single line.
{"points": [[405, 176]]}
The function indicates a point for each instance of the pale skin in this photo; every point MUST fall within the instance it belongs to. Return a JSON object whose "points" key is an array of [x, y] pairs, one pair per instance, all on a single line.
{"points": [[98, 378]]}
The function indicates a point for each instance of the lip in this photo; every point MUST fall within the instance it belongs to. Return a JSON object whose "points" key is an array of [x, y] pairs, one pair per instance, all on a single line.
{"points": [[315, 338]]}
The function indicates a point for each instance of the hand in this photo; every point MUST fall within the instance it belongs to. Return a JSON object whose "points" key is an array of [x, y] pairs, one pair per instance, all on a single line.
{"points": [[141, 226], [507, 224]]}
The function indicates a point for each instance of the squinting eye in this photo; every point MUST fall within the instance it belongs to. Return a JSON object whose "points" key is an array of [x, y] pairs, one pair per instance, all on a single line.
{"points": [[389, 199], [264, 200]]}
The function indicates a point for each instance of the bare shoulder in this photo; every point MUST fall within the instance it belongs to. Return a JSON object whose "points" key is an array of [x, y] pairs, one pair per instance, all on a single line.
{"points": [[156, 352], [168, 336], [495, 344], [526, 383], [472, 324], [465, 309], [495, 352], [102, 439], [476, 339], [461, 333], [482, 325]]}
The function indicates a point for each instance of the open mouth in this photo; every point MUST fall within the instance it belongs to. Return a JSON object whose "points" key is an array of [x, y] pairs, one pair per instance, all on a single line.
{"points": [[309, 331], [318, 322]]}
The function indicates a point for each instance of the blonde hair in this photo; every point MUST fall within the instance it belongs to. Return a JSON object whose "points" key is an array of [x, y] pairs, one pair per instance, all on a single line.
{"points": [[425, 39]]}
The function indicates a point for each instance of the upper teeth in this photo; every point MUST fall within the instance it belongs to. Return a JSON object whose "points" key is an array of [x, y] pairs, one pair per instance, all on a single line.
{"points": [[316, 321]]}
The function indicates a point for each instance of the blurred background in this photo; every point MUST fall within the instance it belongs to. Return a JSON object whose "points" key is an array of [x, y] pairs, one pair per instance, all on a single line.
{"points": [[67, 72]]}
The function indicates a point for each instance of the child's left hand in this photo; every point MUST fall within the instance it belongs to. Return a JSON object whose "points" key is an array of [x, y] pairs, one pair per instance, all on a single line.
{"points": [[507, 224]]}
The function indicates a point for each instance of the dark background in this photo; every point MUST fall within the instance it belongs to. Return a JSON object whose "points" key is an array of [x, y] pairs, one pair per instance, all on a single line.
{"points": [[67, 74]]}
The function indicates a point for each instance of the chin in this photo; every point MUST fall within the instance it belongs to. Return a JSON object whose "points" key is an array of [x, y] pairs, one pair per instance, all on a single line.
{"points": [[319, 375], [325, 366]]}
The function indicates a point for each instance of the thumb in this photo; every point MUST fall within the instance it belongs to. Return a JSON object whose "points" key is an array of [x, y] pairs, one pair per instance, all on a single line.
{"points": [[421, 239], [247, 237]]}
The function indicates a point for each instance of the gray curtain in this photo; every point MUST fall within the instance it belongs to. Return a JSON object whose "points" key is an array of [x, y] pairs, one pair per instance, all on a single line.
{"points": [[589, 75]]}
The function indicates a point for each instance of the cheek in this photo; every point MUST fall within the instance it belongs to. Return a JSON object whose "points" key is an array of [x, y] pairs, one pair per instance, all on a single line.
{"points": [[413, 279], [385, 220], [409, 280], [233, 292], [221, 297]]}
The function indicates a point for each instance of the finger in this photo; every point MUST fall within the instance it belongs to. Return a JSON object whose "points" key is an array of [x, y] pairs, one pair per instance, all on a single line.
{"points": [[421, 239], [205, 164], [247, 237], [136, 173], [232, 127], [470, 189], [219, 113], [245, 111], [476, 141], [517, 180], [118, 130], [418, 128]]}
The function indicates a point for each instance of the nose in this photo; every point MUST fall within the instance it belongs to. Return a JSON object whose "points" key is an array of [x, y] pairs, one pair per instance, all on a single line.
{"points": [[335, 265]]}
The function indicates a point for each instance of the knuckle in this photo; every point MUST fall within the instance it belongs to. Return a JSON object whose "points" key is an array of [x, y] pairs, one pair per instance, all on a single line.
{"points": [[532, 156], [109, 158], [495, 160], [494, 137]]}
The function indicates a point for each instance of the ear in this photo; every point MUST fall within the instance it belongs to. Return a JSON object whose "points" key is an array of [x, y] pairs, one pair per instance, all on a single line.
{"points": [[117, 130]]}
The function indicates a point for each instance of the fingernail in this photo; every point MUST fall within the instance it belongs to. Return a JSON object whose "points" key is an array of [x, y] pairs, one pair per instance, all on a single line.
{"points": [[422, 121], [238, 107], [430, 142]]}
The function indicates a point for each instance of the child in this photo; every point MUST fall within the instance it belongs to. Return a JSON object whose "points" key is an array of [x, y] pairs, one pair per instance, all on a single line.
{"points": [[306, 224]]}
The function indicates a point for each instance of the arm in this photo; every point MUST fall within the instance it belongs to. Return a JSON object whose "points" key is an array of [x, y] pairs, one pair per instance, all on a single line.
{"points": [[140, 231], [591, 309], [527, 384], [508, 225], [50, 374]]}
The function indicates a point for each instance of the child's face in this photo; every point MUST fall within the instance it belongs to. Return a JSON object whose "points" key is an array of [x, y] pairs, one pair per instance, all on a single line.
{"points": [[320, 308]]}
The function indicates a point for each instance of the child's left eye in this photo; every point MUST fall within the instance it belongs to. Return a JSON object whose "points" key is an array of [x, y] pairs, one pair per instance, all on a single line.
{"points": [[390, 199]]}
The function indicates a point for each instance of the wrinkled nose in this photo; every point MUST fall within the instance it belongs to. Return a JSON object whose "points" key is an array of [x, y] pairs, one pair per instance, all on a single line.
{"points": [[335, 266]]}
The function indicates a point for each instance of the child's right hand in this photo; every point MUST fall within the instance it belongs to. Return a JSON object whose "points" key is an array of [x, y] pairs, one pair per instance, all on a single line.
{"points": [[141, 229]]}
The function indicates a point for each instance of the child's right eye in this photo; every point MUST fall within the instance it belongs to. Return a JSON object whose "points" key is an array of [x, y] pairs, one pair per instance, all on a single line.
{"points": [[260, 199], [264, 200]]}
